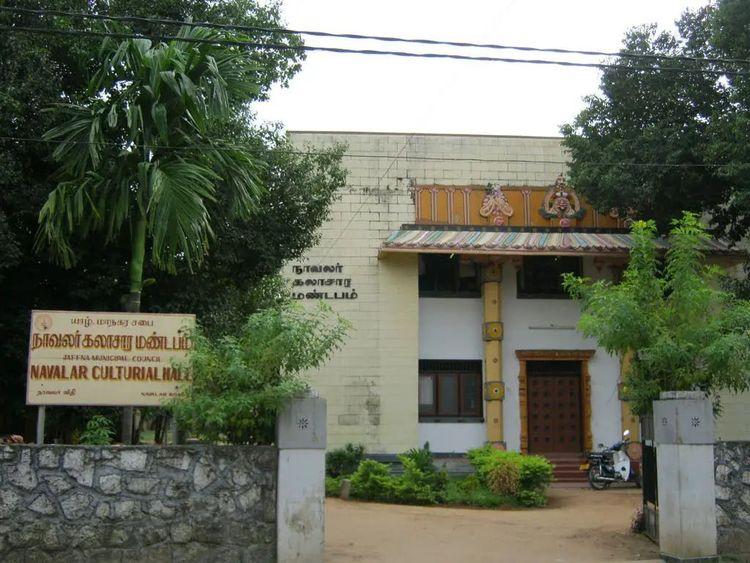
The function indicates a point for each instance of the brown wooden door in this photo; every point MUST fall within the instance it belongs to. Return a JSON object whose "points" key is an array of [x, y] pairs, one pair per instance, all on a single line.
{"points": [[554, 412]]}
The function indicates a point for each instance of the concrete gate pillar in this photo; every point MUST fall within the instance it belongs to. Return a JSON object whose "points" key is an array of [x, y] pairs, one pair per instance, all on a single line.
{"points": [[300, 501], [684, 437]]}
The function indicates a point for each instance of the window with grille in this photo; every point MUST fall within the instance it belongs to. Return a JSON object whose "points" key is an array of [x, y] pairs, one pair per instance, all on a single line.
{"points": [[450, 390]]}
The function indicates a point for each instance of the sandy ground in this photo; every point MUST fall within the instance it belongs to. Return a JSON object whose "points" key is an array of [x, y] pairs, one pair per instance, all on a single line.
{"points": [[577, 525]]}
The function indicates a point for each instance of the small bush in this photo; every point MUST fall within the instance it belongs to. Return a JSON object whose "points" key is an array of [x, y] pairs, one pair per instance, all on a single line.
{"points": [[536, 472], [98, 432], [344, 461], [422, 460], [373, 481], [505, 477], [526, 497], [416, 486], [333, 486]]}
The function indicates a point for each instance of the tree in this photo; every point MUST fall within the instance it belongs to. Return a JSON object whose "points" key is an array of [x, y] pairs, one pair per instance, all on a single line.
{"points": [[142, 153], [240, 380], [656, 142], [38, 71], [680, 330]]}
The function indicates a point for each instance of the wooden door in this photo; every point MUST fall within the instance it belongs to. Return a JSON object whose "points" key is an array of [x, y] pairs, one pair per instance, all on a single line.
{"points": [[554, 409]]}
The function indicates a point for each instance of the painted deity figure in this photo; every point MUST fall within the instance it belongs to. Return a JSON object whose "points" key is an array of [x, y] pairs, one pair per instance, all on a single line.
{"points": [[496, 206]]}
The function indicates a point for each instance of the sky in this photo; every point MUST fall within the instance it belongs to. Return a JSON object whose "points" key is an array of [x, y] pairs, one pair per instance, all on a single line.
{"points": [[343, 92]]}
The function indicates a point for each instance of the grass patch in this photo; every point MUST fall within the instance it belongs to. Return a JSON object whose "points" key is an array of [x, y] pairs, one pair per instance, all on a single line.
{"points": [[469, 491]]}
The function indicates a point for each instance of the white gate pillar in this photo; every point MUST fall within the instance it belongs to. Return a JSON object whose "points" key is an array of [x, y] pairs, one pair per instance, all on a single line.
{"points": [[684, 436], [300, 493]]}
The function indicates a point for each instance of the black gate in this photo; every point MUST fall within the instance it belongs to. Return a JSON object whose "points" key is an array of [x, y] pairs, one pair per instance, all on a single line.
{"points": [[648, 479]]}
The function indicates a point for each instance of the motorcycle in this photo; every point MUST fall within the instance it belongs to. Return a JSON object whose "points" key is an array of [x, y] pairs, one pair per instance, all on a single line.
{"points": [[611, 465]]}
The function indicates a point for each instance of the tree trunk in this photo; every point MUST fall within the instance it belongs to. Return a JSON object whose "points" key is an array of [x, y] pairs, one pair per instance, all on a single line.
{"points": [[133, 301]]}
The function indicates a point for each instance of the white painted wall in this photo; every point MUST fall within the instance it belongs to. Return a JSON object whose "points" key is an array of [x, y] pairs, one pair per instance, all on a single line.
{"points": [[451, 329], [452, 437], [521, 319]]}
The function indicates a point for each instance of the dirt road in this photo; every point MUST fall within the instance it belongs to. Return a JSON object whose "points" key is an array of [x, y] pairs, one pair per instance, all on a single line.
{"points": [[578, 525]]}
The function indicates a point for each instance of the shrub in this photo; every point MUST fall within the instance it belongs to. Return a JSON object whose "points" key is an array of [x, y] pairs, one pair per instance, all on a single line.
{"points": [[344, 461], [239, 381], [505, 477], [333, 486], [98, 432], [415, 486], [373, 481], [529, 497], [536, 472], [422, 460]]}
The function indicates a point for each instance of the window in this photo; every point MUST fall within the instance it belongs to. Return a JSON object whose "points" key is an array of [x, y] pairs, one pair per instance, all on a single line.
{"points": [[446, 275], [541, 276], [450, 390]]}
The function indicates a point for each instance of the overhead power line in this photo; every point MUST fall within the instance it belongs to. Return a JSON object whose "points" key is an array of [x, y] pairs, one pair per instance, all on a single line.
{"points": [[390, 157], [382, 38], [283, 47]]}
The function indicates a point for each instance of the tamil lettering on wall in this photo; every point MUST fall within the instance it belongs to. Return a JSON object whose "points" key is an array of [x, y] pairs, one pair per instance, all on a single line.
{"points": [[321, 281], [119, 359]]}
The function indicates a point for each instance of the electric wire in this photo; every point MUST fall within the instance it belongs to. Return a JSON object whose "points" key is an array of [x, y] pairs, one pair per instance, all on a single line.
{"points": [[381, 38], [341, 50], [229, 146]]}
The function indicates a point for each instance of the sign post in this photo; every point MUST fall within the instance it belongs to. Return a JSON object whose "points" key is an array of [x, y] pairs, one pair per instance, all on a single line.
{"points": [[40, 414], [106, 359]]}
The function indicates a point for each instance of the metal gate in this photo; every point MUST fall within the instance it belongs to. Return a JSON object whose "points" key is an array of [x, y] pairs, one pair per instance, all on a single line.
{"points": [[649, 480]]}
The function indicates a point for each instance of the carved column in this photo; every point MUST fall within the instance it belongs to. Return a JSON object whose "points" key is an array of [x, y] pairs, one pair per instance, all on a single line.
{"points": [[492, 332]]}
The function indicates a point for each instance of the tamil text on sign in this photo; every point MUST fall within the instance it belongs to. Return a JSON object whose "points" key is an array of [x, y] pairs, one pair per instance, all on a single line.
{"points": [[119, 359]]}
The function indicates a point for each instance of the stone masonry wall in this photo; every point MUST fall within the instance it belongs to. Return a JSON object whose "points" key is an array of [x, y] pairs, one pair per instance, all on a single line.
{"points": [[139, 503], [732, 473]]}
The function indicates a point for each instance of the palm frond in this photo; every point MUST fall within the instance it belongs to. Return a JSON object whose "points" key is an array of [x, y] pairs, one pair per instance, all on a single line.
{"points": [[178, 218]]}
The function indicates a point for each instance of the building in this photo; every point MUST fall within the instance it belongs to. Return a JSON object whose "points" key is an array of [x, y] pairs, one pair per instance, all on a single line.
{"points": [[445, 252]]}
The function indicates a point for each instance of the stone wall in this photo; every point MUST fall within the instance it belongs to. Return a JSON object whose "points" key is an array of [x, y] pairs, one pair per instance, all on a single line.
{"points": [[732, 467], [139, 503]]}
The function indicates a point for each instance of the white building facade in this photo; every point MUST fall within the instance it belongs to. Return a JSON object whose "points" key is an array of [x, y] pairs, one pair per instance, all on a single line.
{"points": [[445, 253]]}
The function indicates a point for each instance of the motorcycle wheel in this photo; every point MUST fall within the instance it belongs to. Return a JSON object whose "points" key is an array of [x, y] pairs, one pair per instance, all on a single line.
{"points": [[595, 483]]}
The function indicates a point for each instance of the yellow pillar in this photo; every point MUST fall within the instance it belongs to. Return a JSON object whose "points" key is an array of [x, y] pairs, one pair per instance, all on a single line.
{"points": [[628, 421], [492, 332]]}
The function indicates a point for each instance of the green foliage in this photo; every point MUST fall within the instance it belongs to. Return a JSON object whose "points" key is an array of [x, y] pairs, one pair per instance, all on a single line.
{"points": [[333, 486], [373, 481], [681, 331], [421, 460], [99, 431], [470, 491], [420, 482], [37, 73], [344, 461], [534, 472], [239, 381], [679, 141], [505, 477], [531, 498], [143, 147]]}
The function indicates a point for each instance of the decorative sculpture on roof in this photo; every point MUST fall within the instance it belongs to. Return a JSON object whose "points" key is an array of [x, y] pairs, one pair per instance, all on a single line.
{"points": [[562, 203], [495, 205]]}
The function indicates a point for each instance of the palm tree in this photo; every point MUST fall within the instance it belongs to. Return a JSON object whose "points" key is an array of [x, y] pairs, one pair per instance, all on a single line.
{"points": [[142, 154]]}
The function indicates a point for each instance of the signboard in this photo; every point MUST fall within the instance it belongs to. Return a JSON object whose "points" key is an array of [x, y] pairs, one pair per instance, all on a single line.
{"points": [[115, 359]]}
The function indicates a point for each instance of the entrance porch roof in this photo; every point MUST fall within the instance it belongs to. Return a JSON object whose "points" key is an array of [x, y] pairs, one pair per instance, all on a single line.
{"points": [[513, 241]]}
